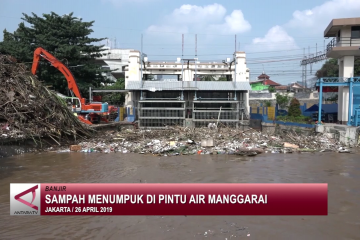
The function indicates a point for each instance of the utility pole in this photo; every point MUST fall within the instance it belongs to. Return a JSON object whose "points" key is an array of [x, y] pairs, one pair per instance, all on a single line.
{"points": [[141, 59], [182, 57], [311, 59], [235, 61], [306, 70], [235, 42], [303, 71], [195, 59]]}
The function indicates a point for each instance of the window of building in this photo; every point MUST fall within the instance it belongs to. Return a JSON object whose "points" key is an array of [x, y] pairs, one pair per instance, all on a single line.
{"points": [[355, 32]]}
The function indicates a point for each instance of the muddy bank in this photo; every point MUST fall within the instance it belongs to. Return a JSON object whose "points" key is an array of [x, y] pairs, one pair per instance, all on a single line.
{"points": [[124, 138], [11, 146], [186, 141]]}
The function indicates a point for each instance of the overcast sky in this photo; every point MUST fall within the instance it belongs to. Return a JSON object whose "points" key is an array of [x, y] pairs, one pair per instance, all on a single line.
{"points": [[273, 33]]}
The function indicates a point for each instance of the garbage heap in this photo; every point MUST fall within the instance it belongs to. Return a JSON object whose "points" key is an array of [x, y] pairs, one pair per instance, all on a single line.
{"points": [[30, 110], [185, 141]]}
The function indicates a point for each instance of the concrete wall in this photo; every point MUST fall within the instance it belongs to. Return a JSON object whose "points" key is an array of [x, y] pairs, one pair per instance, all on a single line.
{"points": [[116, 58], [241, 74], [177, 68], [308, 98], [254, 96], [346, 69], [347, 135], [345, 34], [133, 73], [273, 128]]}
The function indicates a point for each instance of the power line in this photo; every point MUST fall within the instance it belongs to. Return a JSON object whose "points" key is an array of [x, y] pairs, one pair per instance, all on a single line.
{"points": [[139, 30]]}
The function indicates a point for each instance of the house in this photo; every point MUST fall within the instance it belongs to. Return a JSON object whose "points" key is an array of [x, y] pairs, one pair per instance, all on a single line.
{"points": [[282, 88], [263, 83], [297, 87]]}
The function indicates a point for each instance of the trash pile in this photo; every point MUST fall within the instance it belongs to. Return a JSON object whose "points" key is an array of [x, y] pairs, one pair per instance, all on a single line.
{"points": [[186, 141], [30, 110]]}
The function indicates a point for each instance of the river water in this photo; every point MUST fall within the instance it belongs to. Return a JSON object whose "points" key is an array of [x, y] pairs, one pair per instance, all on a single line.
{"points": [[340, 171]]}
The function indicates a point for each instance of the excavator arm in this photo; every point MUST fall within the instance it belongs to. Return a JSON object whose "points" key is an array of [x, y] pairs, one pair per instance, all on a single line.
{"points": [[40, 52]]}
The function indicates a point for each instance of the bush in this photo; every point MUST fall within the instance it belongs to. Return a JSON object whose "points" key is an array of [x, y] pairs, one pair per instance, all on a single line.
{"points": [[282, 100], [271, 89], [298, 119], [267, 103], [294, 109]]}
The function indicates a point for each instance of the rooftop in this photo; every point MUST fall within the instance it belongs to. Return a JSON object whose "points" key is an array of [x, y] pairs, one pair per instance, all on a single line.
{"points": [[296, 85], [336, 24], [281, 87], [327, 108], [267, 82], [263, 76]]}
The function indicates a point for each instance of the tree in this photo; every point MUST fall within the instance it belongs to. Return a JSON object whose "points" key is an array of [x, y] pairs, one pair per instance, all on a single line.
{"points": [[223, 78], [357, 67], [114, 98], [272, 89], [294, 109], [67, 38], [207, 78], [210, 78], [267, 103], [331, 69], [282, 100]]}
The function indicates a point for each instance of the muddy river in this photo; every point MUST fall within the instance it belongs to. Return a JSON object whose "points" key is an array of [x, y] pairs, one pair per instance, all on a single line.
{"points": [[340, 171]]}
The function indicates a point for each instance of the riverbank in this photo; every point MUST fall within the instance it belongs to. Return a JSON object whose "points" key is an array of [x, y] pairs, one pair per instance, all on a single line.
{"points": [[185, 141], [125, 138]]}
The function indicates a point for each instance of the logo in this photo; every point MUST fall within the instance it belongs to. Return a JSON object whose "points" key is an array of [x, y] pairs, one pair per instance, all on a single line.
{"points": [[24, 199]]}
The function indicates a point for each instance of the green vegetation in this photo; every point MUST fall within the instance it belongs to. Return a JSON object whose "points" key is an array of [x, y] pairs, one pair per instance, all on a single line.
{"points": [[114, 98], [67, 38], [333, 98], [267, 103], [299, 119], [209, 78], [282, 100], [294, 112], [331, 69], [272, 89], [294, 109]]}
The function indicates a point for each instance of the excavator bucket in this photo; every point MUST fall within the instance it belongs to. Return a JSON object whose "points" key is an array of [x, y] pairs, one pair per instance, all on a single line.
{"points": [[81, 118]]}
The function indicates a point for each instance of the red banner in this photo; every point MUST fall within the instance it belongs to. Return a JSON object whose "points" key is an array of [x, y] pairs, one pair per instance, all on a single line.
{"points": [[182, 199]]}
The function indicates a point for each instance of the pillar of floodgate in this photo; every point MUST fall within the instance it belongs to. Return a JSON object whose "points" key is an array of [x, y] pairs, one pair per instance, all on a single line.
{"points": [[346, 70], [241, 75], [132, 75]]}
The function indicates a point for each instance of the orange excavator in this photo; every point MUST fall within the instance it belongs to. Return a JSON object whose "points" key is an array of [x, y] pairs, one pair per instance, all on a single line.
{"points": [[88, 113]]}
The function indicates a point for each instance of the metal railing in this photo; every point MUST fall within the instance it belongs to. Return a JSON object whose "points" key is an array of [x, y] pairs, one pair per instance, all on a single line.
{"points": [[342, 42], [214, 99], [338, 79], [356, 79]]}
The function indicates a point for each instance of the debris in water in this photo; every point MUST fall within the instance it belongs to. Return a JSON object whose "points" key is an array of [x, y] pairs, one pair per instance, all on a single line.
{"points": [[185, 141], [343, 150], [28, 109]]}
